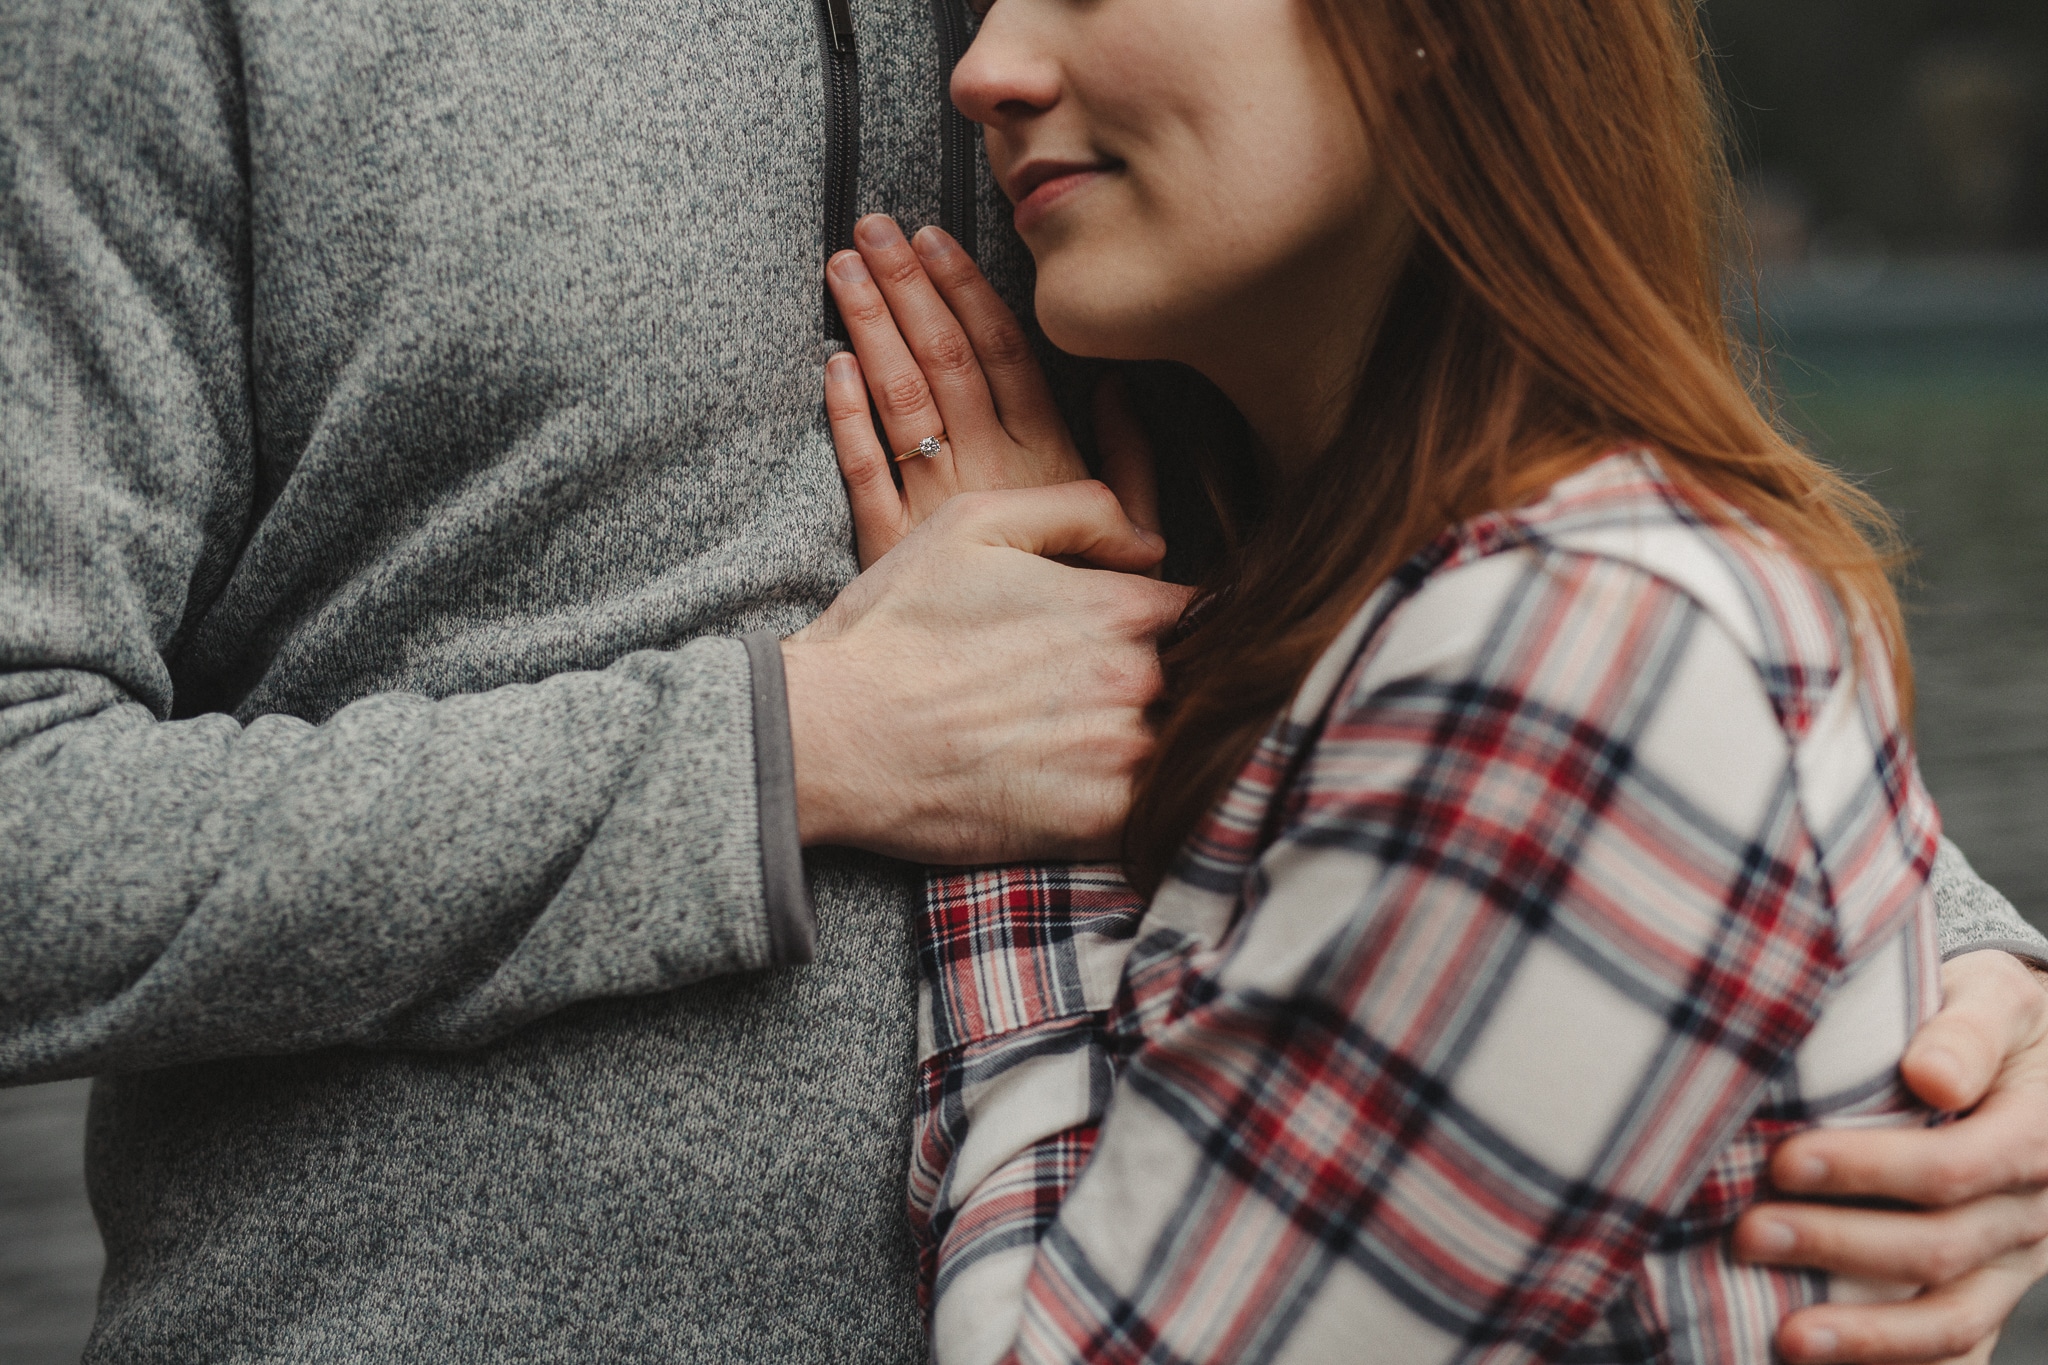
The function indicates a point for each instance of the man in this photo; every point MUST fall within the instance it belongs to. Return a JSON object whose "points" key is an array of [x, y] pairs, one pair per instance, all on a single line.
{"points": [[412, 450]]}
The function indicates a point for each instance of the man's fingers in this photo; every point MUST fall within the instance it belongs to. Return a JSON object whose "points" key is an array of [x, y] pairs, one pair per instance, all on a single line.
{"points": [[1903, 1248], [1951, 1321], [871, 492], [1127, 465], [2001, 1147], [1080, 520], [1992, 1007], [1023, 399]]}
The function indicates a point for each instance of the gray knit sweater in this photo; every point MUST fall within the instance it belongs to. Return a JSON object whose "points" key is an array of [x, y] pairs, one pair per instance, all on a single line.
{"points": [[405, 408]]}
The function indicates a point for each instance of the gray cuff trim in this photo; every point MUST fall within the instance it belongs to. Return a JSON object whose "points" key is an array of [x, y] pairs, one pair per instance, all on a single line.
{"points": [[786, 895], [1970, 913], [2025, 951]]}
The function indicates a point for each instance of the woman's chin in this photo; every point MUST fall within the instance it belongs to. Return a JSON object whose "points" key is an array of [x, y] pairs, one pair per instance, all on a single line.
{"points": [[1082, 322]]}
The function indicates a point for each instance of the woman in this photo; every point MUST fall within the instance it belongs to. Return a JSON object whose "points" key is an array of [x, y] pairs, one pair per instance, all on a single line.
{"points": [[1533, 837]]}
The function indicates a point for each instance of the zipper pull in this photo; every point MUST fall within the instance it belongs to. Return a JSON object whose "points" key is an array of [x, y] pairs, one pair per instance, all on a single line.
{"points": [[840, 14]]}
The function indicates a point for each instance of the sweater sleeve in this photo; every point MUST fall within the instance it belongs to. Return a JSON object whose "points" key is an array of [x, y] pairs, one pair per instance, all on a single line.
{"points": [[1973, 916], [413, 871]]}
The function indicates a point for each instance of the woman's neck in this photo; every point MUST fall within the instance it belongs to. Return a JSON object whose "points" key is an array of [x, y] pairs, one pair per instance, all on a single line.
{"points": [[1290, 357]]}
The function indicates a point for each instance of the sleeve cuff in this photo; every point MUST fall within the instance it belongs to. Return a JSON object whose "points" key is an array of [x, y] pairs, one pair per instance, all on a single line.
{"points": [[1971, 915], [2026, 951], [786, 895]]}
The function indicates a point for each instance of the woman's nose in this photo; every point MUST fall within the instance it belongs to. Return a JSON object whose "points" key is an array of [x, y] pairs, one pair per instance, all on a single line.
{"points": [[1005, 75]]}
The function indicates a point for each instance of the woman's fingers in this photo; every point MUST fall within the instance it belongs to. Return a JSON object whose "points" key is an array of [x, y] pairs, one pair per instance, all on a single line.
{"points": [[904, 399], [1023, 399], [944, 357], [878, 515]]}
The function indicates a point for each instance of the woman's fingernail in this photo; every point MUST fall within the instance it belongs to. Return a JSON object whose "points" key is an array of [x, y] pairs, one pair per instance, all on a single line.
{"points": [[1809, 1170], [1773, 1238], [1152, 538], [932, 244], [840, 366], [874, 230], [1823, 1341], [848, 266]]}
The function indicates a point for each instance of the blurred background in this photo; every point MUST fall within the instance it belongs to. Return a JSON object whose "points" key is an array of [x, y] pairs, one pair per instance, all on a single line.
{"points": [[1895, 158], [1895, 178]]}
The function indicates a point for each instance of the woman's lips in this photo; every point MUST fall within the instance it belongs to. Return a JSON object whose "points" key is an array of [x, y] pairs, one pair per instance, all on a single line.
{"points": [[1034, 206]]}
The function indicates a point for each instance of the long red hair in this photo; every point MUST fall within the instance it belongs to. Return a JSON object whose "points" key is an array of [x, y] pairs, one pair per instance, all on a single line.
{"points": [[1563, 161]]}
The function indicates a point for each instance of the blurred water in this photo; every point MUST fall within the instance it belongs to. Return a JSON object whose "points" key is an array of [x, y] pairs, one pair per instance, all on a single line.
{"points": [[49, 1251], [1938, 399], [1932, 384]]}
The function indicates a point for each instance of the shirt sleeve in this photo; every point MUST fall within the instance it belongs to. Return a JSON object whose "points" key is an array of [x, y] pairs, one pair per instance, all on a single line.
{"points": [[1018, 970], [416, 871], [1544, 918]]}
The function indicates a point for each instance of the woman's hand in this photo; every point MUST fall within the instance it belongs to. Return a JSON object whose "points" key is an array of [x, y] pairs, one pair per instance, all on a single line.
{"points": [[1981, 1238], [943, 356]]}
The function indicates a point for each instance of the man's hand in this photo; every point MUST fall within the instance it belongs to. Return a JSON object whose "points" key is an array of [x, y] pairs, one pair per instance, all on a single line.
{"points": [[1982, 1237], [968, 699]]}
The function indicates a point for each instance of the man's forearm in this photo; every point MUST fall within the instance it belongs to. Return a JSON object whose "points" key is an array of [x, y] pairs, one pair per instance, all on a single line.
{"points": [[431, 873]]}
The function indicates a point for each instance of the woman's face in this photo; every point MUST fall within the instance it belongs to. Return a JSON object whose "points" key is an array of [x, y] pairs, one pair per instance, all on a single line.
{"points": [[1189, 174]]}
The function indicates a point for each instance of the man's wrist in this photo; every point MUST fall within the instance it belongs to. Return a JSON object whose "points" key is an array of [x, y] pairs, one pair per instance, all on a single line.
{"points": [[815, 736]]}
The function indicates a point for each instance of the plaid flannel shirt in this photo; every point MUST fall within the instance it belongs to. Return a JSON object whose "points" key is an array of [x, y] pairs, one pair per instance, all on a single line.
{"points": [[1585, 866]]}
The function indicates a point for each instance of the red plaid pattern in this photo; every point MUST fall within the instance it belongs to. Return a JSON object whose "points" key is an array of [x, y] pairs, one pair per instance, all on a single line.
{"points": [[1586, 864]]}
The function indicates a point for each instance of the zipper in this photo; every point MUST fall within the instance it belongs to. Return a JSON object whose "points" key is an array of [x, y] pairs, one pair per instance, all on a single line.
{"points": [[842, 139], [956, 134]]}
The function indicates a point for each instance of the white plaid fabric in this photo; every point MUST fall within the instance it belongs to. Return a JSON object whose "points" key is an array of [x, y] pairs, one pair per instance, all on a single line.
{"points": [[1586, 866]]}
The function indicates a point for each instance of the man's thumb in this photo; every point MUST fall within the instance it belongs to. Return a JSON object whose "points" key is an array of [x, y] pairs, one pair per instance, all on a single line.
{"points": [[1993, 1008], [1082, 520]]}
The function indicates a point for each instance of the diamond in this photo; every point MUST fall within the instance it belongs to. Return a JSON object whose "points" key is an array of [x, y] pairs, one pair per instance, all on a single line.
{"points": [[928, 447]]}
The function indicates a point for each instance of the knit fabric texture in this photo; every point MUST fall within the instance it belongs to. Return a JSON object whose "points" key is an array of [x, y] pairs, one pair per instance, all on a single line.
{"points": [[405, 408]]}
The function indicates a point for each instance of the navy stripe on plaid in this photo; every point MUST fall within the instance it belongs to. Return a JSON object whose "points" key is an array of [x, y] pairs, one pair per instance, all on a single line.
{"points": [[1586, 865]]}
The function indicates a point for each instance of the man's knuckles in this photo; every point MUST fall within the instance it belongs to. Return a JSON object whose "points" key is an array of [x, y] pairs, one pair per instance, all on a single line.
{"points": [[1949, 1251], [1129, 678], [1951, 1175]]}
